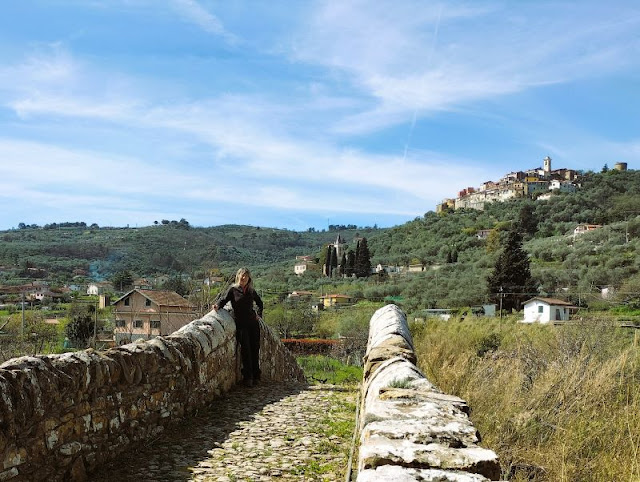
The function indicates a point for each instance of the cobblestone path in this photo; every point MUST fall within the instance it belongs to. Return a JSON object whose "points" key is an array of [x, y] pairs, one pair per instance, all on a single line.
{"points": [[268, 432]]}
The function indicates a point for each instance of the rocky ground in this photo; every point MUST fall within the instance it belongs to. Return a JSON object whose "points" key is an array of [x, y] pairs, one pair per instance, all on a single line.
{"points": [[263, 433]]}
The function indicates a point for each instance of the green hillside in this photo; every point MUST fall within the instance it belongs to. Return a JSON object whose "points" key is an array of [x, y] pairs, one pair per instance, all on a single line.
{"points": [[560, 264], [455, 261], [97, 253]]}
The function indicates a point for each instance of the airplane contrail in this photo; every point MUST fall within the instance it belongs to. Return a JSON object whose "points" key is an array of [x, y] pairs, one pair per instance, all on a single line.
{"points": [[415, 111]]}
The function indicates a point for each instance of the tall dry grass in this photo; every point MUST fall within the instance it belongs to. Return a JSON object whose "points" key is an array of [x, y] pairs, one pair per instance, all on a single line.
{"points": [[555, 403]]}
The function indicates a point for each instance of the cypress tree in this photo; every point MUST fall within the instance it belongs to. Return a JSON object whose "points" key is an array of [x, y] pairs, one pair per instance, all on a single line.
{"points": [[343, 264], [334, 260], [351, 261], [327, 262], [511, 277], [363, 259]]}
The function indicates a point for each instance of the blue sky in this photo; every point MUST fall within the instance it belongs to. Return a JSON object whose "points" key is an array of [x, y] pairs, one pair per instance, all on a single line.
{"points": [[298, 114]]}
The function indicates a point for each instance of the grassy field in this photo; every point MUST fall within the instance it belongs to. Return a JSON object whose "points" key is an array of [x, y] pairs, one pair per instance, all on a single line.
{"points": [[555, 403], [324, 369]]}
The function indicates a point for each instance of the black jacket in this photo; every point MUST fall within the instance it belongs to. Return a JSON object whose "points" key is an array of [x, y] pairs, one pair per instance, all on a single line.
{"points": [[242, 303]]}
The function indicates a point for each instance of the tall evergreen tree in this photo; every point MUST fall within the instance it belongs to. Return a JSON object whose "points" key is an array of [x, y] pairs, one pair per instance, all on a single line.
{"points": [[363, 259], [351, 261], [334, 260], [511, 277], [327, 262], [343, 264], [122, 280]]}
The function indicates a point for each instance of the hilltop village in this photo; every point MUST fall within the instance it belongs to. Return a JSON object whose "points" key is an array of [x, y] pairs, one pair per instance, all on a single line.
{"points": [[537, 183]]}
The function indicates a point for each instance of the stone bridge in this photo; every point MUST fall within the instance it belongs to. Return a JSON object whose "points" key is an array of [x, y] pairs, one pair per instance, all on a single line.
{"points": [[93, 415]]}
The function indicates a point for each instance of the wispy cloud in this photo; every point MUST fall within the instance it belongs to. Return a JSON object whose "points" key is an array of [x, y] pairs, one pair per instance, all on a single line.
{"points": [[193, 12], [46, 67], [306, 117], [482, 52]]}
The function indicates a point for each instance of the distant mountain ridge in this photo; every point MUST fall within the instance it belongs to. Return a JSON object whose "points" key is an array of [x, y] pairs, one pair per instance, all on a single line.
{"points": [[95, 253]]}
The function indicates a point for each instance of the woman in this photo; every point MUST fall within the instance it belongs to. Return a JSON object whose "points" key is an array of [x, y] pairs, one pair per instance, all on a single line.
{"points": [[242, 296]]}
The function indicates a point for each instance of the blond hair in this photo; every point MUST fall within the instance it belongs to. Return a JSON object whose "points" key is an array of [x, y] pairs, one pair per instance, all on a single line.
{"points": [[239, 274]]}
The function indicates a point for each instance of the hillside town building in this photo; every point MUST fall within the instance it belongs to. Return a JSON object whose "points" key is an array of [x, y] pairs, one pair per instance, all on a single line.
{"points": [[585, 228], [303, 263], [531, 183]]}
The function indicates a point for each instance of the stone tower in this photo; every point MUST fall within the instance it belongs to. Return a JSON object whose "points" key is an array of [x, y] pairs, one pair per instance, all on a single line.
{"points": [[547, 165]]}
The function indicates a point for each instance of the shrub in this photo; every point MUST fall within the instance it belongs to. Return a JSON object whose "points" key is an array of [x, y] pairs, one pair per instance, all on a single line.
{"points": [[488, 343], [555, 403]]}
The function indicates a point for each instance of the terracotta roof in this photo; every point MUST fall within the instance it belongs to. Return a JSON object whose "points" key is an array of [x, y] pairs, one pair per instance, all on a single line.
{"points": [[550, 301], [159, 297], [164, 297]]}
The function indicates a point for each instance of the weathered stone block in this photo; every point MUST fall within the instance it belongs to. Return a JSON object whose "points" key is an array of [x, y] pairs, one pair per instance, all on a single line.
{"points": [[9, 474], [409, 429], [70, 448], [395, 473], [14, 456]]}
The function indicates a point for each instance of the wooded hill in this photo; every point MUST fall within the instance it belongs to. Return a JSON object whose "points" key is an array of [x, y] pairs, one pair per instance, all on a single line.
{"points": [[562, 266], [97, 253], [456, 263]]}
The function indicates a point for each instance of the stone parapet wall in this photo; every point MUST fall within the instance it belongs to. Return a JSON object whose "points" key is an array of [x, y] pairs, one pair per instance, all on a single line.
{"points": [[409, 429], [63, 415]]}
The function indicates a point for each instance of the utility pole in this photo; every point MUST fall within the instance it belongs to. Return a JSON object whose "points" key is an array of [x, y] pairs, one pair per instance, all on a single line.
{"points": [[95, 328], [501, 295], [22, 330]]}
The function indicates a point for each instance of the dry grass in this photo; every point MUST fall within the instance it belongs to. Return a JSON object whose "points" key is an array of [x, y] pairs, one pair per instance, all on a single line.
{"points": [[555, 403]]}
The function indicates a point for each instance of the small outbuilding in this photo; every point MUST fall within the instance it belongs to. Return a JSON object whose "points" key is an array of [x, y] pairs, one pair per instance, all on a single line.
{"points": [[329, 301], [547, 310]]}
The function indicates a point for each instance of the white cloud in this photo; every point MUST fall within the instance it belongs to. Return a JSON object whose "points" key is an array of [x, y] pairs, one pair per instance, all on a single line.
{"points": [[193, 12], [50, 168], [411, 56], [372, 65], [48, 67], [70, 107]]}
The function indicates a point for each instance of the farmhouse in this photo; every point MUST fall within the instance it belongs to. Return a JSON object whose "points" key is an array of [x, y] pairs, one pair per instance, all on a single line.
{"points": [[585, 228], [336, 300], [546, 310], [99, 288], [303, 263], [149, 313]]}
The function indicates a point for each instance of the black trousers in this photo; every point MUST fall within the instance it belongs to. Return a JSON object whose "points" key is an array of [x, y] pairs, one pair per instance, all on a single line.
{"points": [[249, 337]]}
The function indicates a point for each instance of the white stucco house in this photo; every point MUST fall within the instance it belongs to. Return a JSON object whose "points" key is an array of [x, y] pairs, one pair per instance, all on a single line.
{"points": [[546, 310], [585, 228], [99, 288]]}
